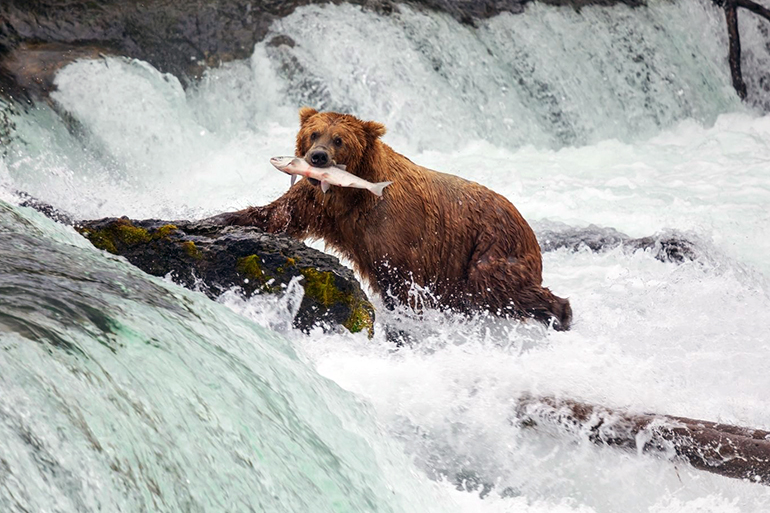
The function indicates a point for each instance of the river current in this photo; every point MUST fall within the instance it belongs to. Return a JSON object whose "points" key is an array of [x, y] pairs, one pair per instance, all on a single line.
{"points": [[124, 392]]}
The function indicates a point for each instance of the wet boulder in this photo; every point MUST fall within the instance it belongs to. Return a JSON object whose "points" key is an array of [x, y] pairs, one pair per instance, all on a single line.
{"points": [[213, 259]]}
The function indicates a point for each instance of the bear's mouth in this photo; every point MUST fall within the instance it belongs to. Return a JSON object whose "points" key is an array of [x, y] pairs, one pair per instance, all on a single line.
{"points": [[313, 181]]}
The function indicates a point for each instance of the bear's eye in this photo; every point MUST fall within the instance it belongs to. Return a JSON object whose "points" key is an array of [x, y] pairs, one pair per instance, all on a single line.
{"points": [[314, 136], [338, 141]]}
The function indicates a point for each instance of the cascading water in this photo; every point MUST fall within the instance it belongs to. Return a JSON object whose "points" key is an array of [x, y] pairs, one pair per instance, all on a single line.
{"points": [[120, 392], [551, 78], [128, 394]]}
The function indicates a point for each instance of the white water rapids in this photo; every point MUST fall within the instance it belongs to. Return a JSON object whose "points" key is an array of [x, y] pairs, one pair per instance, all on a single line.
{"points": [[618, 117]]}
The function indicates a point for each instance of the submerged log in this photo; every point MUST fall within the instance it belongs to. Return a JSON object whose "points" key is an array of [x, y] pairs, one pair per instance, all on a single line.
{"points": [[213, 259], [731, 451]]}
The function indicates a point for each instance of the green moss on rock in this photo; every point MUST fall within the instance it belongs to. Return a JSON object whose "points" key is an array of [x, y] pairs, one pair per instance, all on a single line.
{"points": [[251, 267], [119, 232], [99, 240], [192, 250], [361, 319], [129, 234], [164, 231], [290, 262], [320, 286]]}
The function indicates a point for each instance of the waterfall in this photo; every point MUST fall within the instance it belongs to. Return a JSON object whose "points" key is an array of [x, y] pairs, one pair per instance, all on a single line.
{"points": [[123, 392]]}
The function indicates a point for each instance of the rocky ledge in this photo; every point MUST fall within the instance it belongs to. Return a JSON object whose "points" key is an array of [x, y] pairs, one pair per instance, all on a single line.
{"points": [[213, 259]]}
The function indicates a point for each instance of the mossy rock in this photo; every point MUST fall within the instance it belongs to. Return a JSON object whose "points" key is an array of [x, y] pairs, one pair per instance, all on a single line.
{"points": [[213, 258], [251, 266], [191, 249], [116, 235], [324, 289], [164, 231], [362, 318], [321, 287]]}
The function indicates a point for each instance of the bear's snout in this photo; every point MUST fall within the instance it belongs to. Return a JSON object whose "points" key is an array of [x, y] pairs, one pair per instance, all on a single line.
{"points": [[320, 158]]}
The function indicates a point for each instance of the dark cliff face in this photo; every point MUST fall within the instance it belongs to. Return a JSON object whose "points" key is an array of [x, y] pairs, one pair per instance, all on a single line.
{"points": [[38, 37], [176, 37]]}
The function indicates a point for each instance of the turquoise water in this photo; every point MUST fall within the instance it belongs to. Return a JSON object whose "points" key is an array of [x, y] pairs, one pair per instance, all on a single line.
{"points": [[122, 392], [125, 393]]}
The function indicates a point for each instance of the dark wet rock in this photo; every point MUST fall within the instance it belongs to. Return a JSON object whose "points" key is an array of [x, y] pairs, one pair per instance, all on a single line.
{"points": [[469, 11], [7, 126], [30, 68], [182, 38], [38, 37], [213, 259], [51, 212], [732, 451], [593, 237], [666, 247], [280, 40]]}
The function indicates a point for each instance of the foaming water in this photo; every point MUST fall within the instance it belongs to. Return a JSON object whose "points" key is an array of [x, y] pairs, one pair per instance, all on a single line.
{"points": [[127, 394], [127, 127], [712, 182], [551, 77], [685, 340], [611, 116]]}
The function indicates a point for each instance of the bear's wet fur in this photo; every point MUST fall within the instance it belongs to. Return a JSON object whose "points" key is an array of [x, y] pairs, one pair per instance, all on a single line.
{"points": [[464, 243]]}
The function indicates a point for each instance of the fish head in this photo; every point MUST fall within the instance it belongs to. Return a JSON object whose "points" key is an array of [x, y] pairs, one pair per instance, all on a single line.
{"points": [[328, 139], [283, 163]]}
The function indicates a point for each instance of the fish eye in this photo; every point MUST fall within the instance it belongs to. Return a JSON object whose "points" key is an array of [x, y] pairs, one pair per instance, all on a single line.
{"points": [[314, 136], [338, 141]]}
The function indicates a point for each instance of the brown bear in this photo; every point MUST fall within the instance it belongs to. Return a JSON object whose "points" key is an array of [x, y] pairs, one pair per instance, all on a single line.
{"points": [[465, 244]]}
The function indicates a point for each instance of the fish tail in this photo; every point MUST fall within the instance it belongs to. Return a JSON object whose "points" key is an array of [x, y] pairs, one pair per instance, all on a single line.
{"points": [[378, 187]]}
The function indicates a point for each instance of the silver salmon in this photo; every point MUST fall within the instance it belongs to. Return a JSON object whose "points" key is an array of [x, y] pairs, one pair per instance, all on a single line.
{"points": [[334, 175]]}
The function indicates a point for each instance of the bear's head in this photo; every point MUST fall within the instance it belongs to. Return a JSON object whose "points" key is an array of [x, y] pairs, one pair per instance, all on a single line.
{"points": [[328, 138]]}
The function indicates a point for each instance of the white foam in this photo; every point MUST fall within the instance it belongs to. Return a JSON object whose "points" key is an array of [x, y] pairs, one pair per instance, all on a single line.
{"points": [[687, 339]]}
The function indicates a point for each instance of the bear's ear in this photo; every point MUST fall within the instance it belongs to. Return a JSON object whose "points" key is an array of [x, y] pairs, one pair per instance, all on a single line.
{"points": [[374, 129], [306, 113]]}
